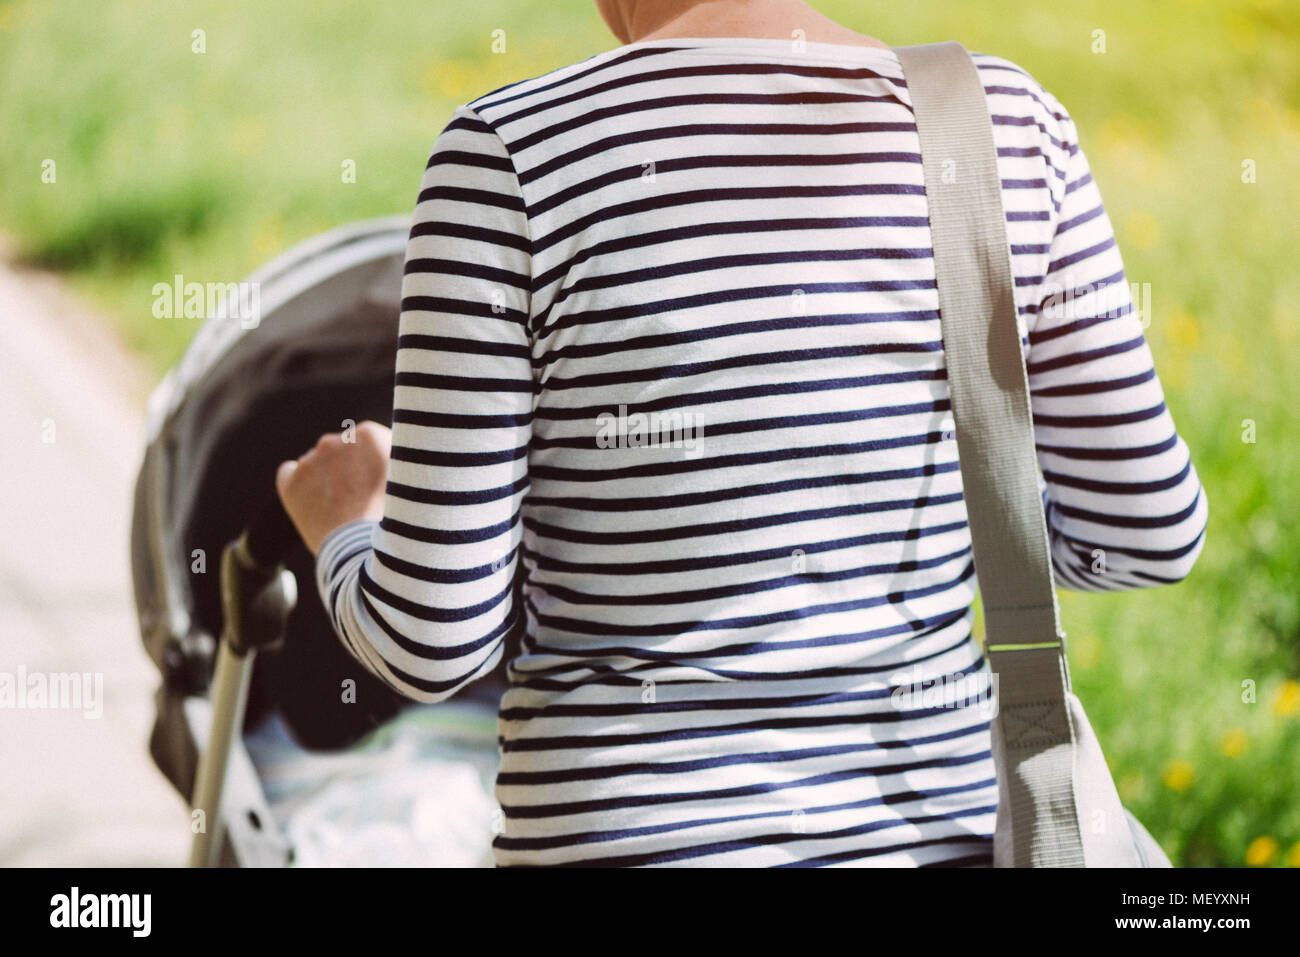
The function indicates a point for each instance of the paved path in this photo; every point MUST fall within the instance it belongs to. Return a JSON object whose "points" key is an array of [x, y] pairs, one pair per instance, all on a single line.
{"points": [[73, 790]]}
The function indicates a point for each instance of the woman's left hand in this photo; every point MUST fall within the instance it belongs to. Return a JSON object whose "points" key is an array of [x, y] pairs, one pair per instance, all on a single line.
{"points": [[340, 480]]}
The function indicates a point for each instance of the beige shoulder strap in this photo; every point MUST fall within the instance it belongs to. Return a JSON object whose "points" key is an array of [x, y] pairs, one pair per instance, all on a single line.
{"points": [[1033, 736]]}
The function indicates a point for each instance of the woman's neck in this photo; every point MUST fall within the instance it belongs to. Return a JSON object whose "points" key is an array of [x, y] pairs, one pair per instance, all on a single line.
{"points": [[758, 19]]}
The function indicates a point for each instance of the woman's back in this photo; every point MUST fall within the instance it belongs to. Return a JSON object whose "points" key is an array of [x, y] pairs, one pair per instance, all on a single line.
{"points": [[671, 338]]}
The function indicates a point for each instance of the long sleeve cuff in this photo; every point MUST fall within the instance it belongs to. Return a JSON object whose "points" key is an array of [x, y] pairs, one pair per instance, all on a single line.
{"points": [[345, 546]]}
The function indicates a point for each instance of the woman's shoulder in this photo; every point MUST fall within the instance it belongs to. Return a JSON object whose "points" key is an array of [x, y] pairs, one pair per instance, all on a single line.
{"points": [[1014, 93], [998, 71], [559, 82], [1012, 90]]}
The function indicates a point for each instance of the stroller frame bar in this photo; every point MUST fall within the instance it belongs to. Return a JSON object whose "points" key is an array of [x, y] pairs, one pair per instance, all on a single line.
{"points": [[257, 600]]}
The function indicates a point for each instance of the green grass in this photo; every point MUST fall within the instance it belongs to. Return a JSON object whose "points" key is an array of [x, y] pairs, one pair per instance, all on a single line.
{"points": [[169, 161]]}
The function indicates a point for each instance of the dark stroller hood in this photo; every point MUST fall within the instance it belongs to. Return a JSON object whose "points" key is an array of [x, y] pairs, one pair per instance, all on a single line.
{"points": [[241, 401], [328, 319]]}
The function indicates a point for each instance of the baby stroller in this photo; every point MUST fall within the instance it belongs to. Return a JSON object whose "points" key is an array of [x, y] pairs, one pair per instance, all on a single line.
{"points": [[265, 724]]}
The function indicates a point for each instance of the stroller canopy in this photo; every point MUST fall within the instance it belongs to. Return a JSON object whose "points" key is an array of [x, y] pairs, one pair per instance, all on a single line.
{"points": [[244, 398]]}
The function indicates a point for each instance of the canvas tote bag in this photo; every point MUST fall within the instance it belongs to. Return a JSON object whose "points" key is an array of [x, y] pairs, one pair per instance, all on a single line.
{"points": [[1057, 803]]}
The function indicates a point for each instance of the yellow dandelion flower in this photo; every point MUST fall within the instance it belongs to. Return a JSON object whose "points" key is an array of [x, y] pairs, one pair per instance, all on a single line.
{"points": [[1241, 32], [268, 236], [248, 136], [1182, 329], [452, 79], [1265, 113], [14, 15], [1288, 699], [1262, 852], [1141, 229], [1234, 742], [1121, 130], [1293, 855], [1179, 775]]}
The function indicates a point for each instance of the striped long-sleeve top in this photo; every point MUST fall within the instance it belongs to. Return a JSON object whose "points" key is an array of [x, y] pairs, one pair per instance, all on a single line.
{"points": [[670, 403]]}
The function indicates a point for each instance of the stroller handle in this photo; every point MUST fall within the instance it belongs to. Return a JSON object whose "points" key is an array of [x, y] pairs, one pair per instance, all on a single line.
{"points": [[271, 535], [257, 597]]}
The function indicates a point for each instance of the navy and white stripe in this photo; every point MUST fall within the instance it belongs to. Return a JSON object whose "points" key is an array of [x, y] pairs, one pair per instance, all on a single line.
{"points": [[737, 231]]}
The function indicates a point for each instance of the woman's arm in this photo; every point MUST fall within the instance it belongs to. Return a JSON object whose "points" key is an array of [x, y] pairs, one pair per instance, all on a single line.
{"points": [[424, 597], [1125, 508]]}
